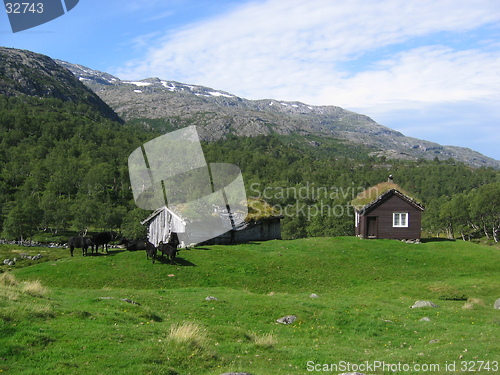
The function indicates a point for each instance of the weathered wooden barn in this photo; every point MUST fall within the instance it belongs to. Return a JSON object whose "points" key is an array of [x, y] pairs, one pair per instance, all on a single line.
{"points": [[162, 222], [385, 211]]}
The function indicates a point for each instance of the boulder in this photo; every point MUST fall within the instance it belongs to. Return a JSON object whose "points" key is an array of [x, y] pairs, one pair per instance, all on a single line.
{"points": [[423, 304], [211, 298], [289, 319], [497, 304], [314, 295]]}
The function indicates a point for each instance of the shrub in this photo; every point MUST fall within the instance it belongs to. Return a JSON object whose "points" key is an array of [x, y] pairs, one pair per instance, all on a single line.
{"points": [[188, 333], [8, 279], [34, 288], [267, 340]]}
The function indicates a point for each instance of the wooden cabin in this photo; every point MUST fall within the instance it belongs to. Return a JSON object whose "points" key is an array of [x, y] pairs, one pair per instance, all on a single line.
{"points": [[386, 211], [262, 230], [164, 221]]}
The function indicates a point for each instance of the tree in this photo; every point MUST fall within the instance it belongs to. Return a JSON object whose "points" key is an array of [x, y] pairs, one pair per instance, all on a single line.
{"points": [[132, 227], [456, 215], [57, 211], [84, 211], [485, 209], [22, 218]]}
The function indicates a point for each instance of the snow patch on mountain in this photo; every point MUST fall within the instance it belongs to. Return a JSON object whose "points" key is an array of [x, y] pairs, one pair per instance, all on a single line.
{"points": [[216, 93], [140, 83]]}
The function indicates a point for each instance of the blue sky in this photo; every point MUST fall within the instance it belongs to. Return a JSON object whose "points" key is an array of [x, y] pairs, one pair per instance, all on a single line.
{"points": [[428, 68]]}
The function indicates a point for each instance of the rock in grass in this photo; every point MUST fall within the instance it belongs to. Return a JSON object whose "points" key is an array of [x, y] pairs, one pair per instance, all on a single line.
{"points": [[289, 319], [497, 304], [130, 301], [425, 319], [236, 373], [314, 295], [423, 304], [211, 298]]}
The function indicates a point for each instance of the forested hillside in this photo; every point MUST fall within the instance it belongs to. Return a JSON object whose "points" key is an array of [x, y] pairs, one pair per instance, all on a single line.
{"points": [[312, 187], [64, 167], [64, 153]]}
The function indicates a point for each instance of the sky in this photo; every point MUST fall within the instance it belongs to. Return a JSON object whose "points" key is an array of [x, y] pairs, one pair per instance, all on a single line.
{"points": [[427, 68]]}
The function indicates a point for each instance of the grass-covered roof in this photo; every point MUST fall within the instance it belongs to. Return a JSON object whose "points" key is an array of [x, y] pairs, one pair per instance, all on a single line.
{"points": [[260, 210], [371, 194]]}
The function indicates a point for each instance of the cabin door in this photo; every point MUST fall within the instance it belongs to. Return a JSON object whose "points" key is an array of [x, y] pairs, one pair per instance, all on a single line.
{"points": [[371, 226]]}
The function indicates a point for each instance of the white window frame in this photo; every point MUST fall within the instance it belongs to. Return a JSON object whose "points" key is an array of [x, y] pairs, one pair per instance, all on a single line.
{"points": [[400, 219]]}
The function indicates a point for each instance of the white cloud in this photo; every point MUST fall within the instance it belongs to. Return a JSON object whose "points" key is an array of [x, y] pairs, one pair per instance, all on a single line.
{"points": [[422, 76], [375, 56], [289, 49]]}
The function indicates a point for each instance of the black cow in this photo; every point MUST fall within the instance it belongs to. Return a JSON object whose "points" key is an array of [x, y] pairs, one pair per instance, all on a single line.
{"points": [[150, 251], [168, 250], [82, 242], [133, 245], [173, 240], [103, 239]]}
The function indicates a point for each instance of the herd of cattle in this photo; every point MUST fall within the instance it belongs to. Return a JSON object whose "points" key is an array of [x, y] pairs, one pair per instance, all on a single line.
{"points": [[168, 249]]}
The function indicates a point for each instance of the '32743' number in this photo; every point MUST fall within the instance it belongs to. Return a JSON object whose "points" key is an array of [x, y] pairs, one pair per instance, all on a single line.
{"points": [[19, 8]]}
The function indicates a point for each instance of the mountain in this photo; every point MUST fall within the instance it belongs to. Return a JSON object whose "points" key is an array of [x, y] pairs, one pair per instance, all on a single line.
{"points": [[63, 155], [171, 105], [32, 74], [218, 113], [63, 152]]}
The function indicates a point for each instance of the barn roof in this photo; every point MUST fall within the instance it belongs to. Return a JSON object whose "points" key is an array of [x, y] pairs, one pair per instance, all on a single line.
{"points": [[259, 210], [379, 193]]}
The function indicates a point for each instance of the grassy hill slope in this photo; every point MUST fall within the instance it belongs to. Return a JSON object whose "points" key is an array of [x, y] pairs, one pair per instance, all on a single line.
{"points": [[84, 321]]}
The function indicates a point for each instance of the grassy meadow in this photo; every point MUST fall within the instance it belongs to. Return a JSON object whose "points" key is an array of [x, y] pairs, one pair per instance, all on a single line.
{"points": [[121, 314]]}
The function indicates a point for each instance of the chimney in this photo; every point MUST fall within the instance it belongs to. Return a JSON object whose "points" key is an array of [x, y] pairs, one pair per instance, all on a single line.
{"points": [[390, 179]]}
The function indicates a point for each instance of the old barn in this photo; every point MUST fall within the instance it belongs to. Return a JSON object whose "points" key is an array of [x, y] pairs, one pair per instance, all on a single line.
{"points": [[386, 211], [164, 221]]}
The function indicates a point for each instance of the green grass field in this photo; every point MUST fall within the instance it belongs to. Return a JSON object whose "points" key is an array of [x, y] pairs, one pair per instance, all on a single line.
{"points": [[63, 315]]}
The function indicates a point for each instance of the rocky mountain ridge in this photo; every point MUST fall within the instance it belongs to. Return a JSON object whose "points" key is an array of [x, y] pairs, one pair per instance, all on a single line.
{"points": [[28, 73], [218, 113]]}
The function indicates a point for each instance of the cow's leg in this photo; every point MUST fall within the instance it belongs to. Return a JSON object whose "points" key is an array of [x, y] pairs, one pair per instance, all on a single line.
{"points": [[71, 248]]}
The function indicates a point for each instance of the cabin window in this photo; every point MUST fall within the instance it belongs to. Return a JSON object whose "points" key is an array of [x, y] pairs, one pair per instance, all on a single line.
{"points": [[400, 219]]}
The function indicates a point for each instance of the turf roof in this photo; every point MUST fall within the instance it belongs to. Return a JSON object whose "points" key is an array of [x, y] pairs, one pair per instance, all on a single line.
{"points": [[372, 193], [260, 210]]}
